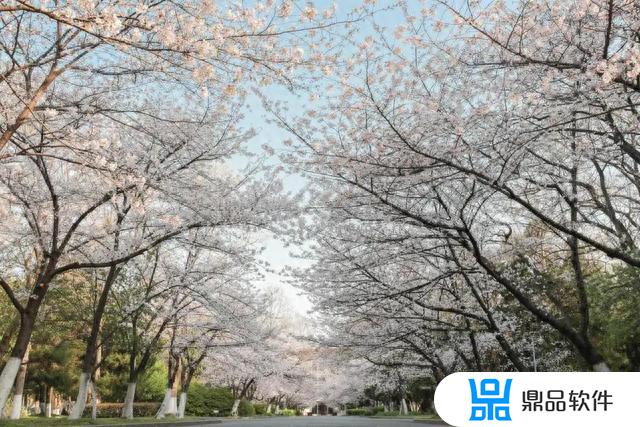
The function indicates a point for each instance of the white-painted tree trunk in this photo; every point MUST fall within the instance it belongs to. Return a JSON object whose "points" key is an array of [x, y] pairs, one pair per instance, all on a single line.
{"points": [[168, 406], [234, 409], [182, 405], [601, 367], [47, 410], [81, 401], [269, 409], [165, 402], [173, 404], [16, 407], [127, 409], [94, 401], [7, 378], [403, 407]]}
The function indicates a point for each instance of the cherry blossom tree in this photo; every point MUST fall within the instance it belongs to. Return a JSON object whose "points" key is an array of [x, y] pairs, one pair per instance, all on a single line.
{"points": [[498, 138], [226, 313], [152, 196], [85, 89], [55, 50]]}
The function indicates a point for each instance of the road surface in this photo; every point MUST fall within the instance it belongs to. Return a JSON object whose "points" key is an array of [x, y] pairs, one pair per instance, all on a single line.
{"points": [[321, 422]]}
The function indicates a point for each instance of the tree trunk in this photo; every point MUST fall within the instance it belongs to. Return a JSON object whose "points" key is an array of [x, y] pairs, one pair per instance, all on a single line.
{"points": [[96, 373], [164, 404], [43, 398], [127, 409], [91, 353], [168, 406], [78, 407], [27, 320], [94, 401], [234, 409], [182, 405], [403, 407], [186, 375], [47, 408], [173, 406], [5, 341], [7, 378], [11, 368], [16, 408]]}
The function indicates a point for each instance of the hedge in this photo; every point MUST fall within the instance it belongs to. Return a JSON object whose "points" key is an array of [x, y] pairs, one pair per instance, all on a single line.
{"points": [[261, 408], [358, 411], [246, 409], [114, 410], [397, 413], [203, 400], [377, 409]]}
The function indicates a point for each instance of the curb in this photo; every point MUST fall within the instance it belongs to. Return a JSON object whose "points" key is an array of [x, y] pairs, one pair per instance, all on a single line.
{"points": [[165, 424], [417, 421]]}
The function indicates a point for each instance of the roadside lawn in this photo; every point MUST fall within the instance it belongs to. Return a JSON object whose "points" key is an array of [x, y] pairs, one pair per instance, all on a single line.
{"points": [[426, 417], [64, 421], [409, 417]]}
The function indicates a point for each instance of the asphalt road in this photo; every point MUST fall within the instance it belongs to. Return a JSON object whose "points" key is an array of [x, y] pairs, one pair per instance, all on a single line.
{"points": [[321, 422]]}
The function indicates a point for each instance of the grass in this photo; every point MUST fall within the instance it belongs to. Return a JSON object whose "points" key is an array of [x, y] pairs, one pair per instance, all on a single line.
{"points": [[64, 421], [426, 417], [431, 417]]}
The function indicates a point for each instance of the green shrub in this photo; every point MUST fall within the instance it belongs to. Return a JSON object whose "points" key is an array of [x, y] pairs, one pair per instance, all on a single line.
{"points": [[261, 408], [395, 413], [152, 383], [287, 412], [112, 384], [246, 409], [358, 411], [114, 410], [377, 409], [203, 400]]}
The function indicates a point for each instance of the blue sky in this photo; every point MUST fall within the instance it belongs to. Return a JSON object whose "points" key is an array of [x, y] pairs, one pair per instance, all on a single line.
{"points": [[275, 253], [256, 117]]}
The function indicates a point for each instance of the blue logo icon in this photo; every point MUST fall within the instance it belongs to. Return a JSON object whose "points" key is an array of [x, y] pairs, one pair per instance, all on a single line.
{"points": [[486, 401]]}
